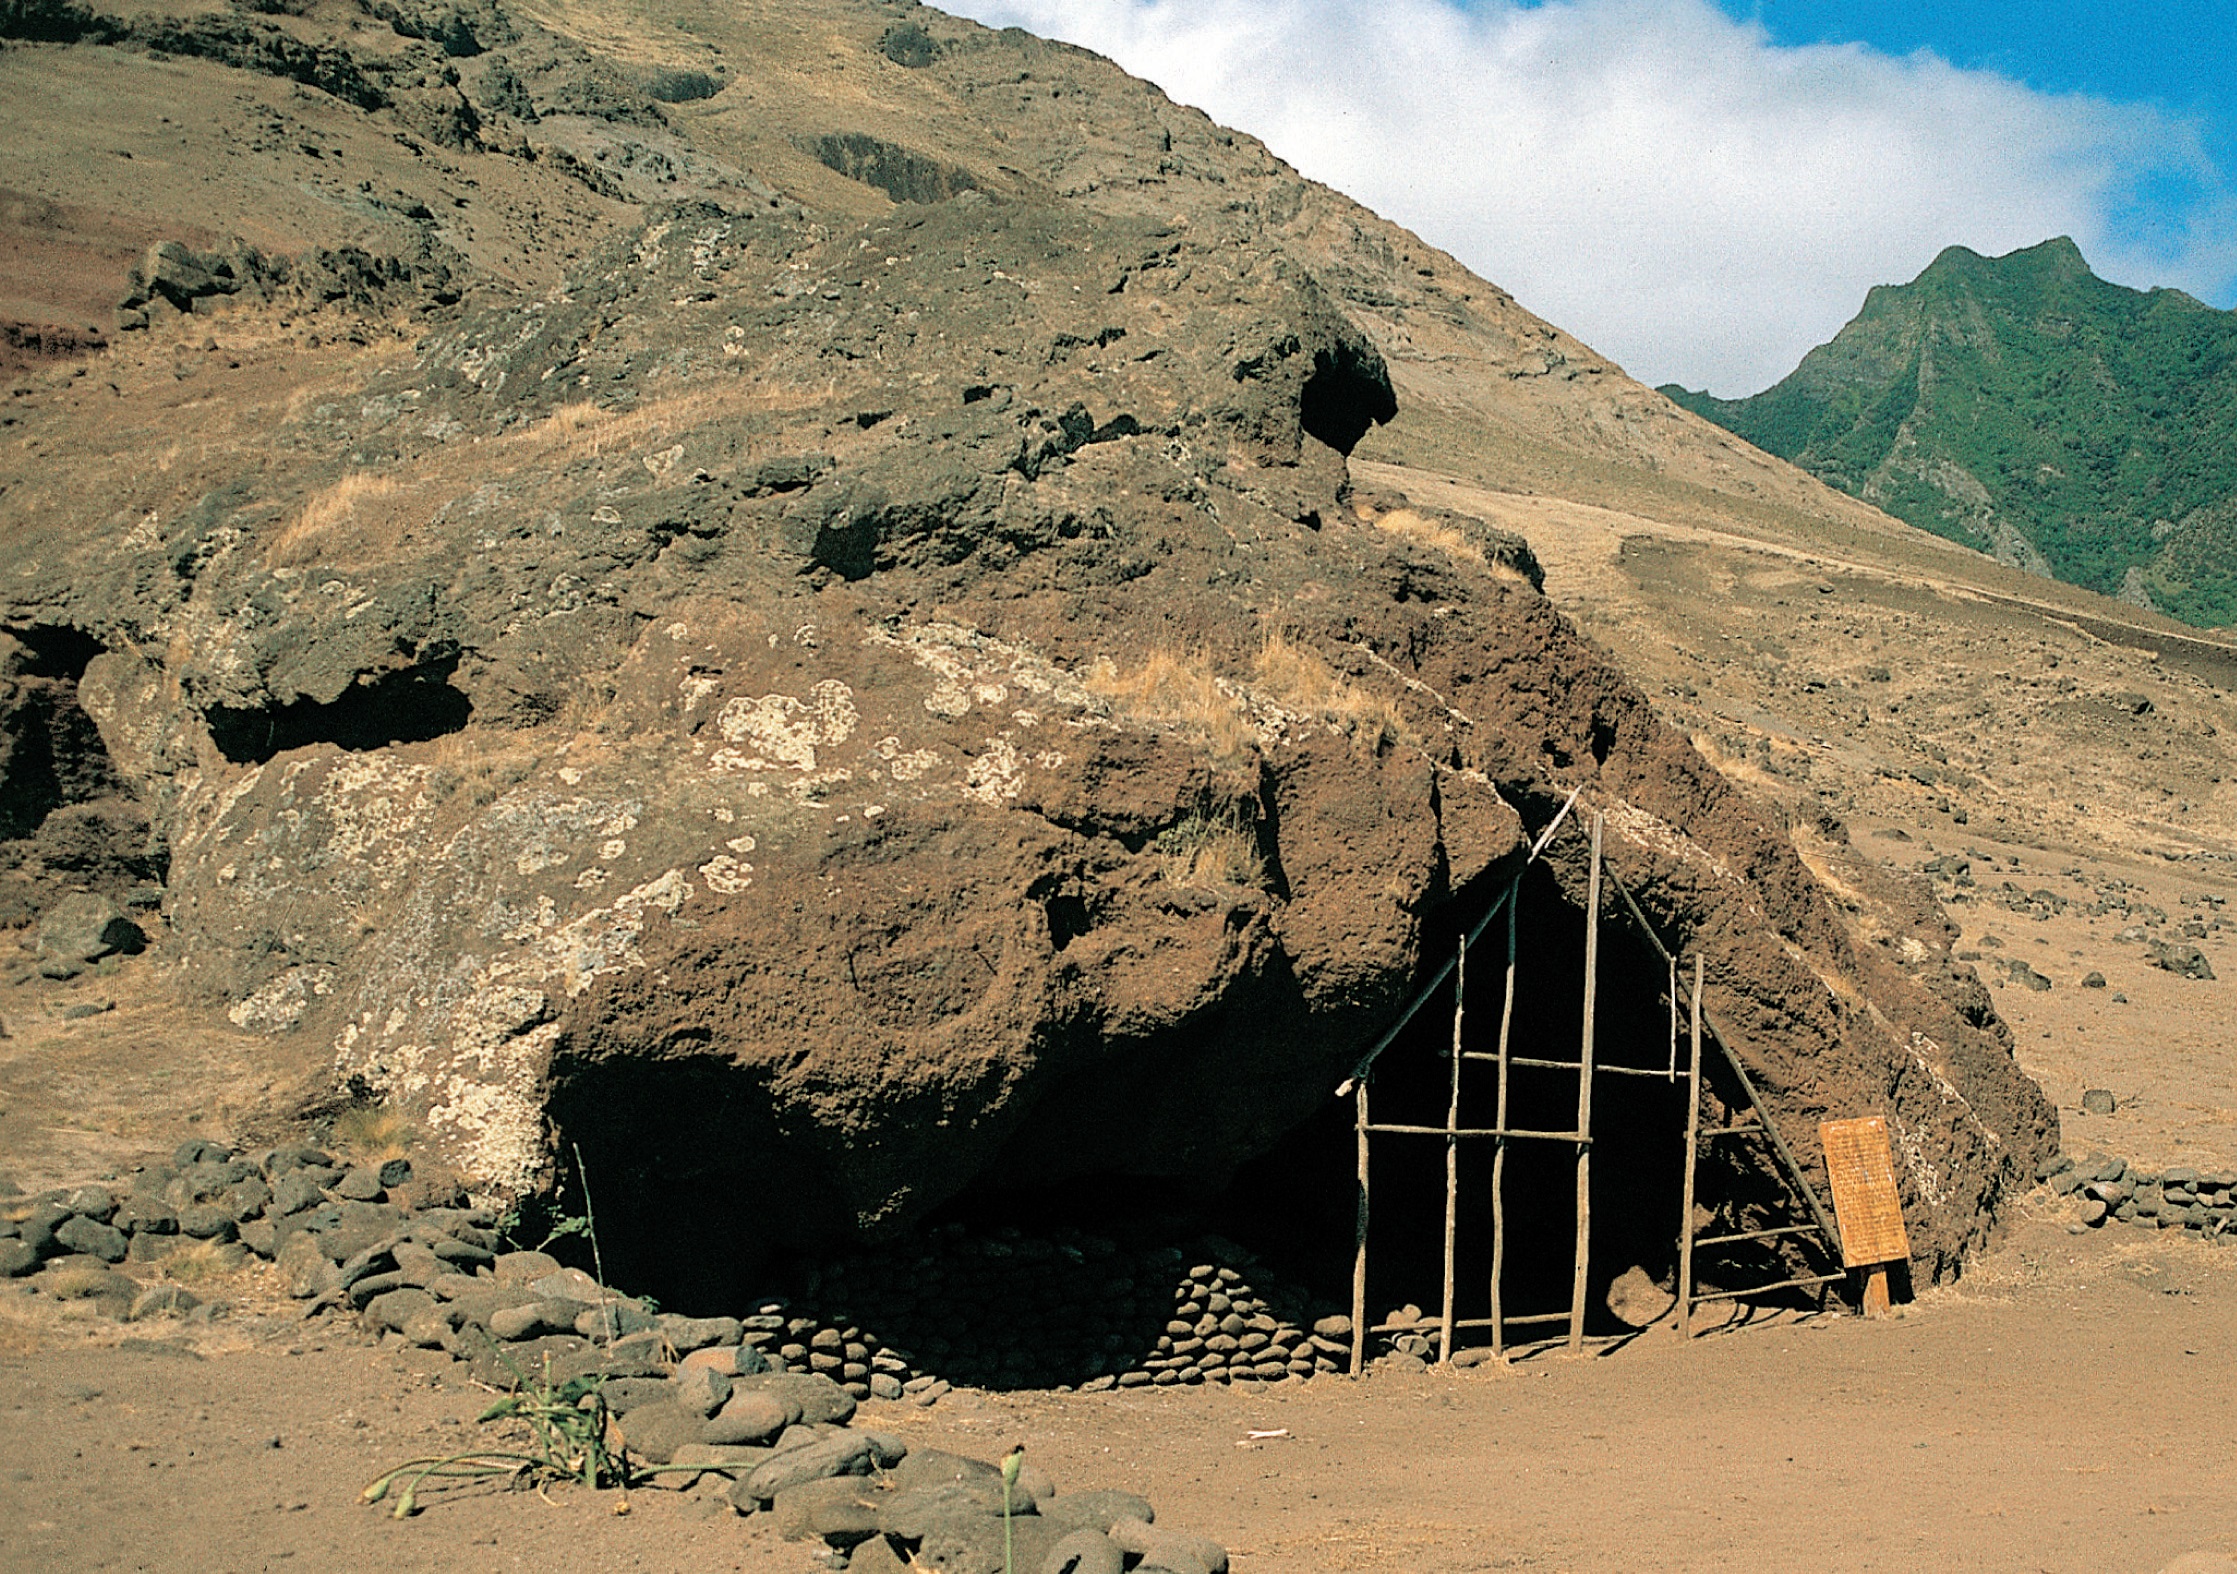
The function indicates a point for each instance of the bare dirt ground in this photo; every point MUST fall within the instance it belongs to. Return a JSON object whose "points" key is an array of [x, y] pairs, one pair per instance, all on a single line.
{"points": [[2069, 1407]]}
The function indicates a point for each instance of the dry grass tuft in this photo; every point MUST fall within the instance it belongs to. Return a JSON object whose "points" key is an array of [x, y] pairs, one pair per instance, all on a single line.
{"points": [[373, 1132], [1181, 689], [1299, 680], [75, 1283], [306, 539], [204, 1261], [1211, 852], [582, 430], [1407, 525]]}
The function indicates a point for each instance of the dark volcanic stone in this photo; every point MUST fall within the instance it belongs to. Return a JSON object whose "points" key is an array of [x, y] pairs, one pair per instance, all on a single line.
{"points": [[1095, 1510], [91, 1238], [208, 1222], [140, 1215], [1105, 411], [360, 1185]]}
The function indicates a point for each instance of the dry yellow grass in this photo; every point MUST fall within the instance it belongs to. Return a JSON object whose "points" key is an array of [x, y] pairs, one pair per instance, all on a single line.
{"points": [[582, 430], [204, 1261], [307, 536], [1299, 680], [1180, 689], [76, 1283], [375, 1133], [1211, 852], [1408, 525]]}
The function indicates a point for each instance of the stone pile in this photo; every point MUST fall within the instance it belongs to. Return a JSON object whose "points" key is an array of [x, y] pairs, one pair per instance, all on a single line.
{"points": [[2179, 1198], [785, 1445], [209, 1194], [1066, 1310], [789, 1450], [1000, 1310]]}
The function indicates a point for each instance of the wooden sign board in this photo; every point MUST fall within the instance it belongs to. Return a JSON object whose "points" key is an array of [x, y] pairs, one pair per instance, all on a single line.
{"points": [[1862, 1169]]}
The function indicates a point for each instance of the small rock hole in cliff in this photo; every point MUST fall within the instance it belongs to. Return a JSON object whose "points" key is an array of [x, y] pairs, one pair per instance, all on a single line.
{"points": [[410, 705], [55, 650], [1348, 391], [67, 819], [51, 754], [1068, 918]]}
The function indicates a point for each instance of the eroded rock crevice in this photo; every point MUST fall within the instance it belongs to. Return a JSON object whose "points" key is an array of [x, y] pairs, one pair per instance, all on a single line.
{"points": [[68, 820], [411, 704]]}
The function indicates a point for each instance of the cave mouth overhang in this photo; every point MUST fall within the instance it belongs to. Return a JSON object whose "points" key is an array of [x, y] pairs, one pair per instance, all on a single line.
{"points": [[675, 1143]]}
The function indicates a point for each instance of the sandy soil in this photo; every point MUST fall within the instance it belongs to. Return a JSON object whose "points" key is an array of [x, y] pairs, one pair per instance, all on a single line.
{"points": [[2069, 1407]]}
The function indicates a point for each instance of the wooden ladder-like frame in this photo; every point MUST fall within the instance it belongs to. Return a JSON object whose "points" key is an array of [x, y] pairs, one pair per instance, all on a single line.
{"points": [[1820, 1223]]}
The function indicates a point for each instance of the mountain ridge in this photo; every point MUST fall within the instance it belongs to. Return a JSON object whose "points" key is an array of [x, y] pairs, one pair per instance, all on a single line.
{"points": [[2023, 406]]}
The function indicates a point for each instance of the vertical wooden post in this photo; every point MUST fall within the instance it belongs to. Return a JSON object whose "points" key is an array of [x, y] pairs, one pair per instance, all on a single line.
{"points": [[1584, 1098], [1693, 1143], [1452, 1147], [1359, 1257], [1673, 1017], [1499, 1143]]}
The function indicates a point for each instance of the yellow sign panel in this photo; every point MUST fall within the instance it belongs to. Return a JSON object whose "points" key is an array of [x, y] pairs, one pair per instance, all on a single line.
{"points": [[1862, 1169]]}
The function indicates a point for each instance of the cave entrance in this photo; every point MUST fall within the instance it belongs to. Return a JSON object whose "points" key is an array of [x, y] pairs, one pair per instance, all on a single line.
{"points": [[1533, 1164]]}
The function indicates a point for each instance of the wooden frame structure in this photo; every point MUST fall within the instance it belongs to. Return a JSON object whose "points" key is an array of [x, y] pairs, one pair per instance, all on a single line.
{"points": [[1587, 1066]]}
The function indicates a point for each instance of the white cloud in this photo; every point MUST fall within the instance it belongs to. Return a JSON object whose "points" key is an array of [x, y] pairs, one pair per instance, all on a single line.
{"points": [[1664, 182]]}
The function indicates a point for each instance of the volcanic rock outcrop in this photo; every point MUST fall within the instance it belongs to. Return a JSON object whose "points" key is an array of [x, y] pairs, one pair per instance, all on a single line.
{"points": [[842, 707]]}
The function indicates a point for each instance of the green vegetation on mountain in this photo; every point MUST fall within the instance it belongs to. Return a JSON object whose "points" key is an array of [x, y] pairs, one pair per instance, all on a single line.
{"points": [[2026, 407]]}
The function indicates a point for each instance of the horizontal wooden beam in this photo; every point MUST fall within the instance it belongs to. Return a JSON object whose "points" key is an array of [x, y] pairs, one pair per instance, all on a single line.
{"points": [[1766, 1289], [1758, 1235], [1570, 1065], [1475, 1131]]}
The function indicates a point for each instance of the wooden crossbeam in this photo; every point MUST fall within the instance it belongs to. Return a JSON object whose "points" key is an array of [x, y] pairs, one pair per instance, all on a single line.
{"points": [[1765, 1289], [1476, 1131], [1757, 1235], [1571, 1065]]}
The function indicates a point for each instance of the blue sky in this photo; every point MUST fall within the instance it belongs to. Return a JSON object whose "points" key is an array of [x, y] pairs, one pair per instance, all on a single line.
{"points": [[1703, 189], [2178, 56], [2181, 54]]}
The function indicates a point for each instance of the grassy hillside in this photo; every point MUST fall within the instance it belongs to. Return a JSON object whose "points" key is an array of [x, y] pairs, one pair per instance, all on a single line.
{"points": [[2030, 409]]}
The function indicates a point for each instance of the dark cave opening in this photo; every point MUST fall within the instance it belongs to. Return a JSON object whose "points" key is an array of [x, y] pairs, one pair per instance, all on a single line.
{"points": [[68, 819], [1296, 1205], [681, 1155], [55, 650], [53, 753], [1347, 391], [412, 704]]}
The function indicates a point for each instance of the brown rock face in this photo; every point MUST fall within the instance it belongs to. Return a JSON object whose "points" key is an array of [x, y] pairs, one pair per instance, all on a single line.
{"points": [[837, 708]]}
